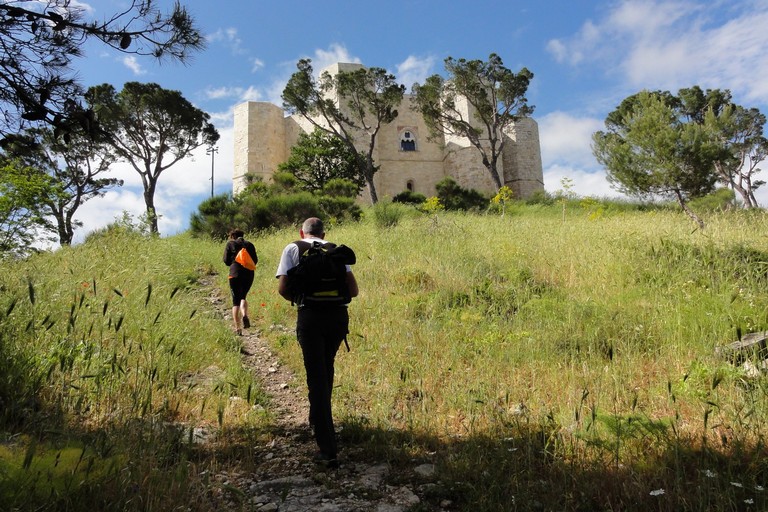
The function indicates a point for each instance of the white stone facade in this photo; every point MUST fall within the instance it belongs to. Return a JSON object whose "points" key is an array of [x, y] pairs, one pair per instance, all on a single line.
{"points": [[406, 159]]}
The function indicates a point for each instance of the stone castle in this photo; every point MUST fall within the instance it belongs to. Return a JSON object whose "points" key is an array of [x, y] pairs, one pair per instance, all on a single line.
{"points": [[406, 159]]}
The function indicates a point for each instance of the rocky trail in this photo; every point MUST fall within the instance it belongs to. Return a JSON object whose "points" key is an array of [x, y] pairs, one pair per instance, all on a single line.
{"points": [[286, 480]]}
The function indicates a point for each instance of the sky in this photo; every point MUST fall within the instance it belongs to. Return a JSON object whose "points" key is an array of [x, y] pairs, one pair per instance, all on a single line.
{"points": [[586, 56]]}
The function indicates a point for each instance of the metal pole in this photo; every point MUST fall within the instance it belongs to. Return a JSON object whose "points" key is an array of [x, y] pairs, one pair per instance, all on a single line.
{"points": [[212, 151]]}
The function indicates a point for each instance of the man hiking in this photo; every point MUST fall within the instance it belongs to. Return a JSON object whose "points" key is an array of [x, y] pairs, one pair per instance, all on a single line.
{"points": [[322, 321]]}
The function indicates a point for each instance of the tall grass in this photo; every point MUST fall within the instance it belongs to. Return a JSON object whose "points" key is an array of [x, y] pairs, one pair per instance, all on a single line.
{"points": [[550, 359], [111, 360], [567, 362]]}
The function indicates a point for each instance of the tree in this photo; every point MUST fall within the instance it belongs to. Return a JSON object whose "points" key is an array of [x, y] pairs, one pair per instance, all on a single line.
{"points": [[40, 40], [495, 97], [152, 129], [318, 157], [739, 130], [22, 216], [652, 147], [75, 164], [365, 100]]}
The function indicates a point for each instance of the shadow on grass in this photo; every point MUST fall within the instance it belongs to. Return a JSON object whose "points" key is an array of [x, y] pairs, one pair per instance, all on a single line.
{"points": [[154, 466], [533, 468]]}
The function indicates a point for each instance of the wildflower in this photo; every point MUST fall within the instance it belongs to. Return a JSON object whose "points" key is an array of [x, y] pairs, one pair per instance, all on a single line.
{"points": [[263, 304], [749, 501], [710, 474], [736, 484], [759, 488], [657, 492]]}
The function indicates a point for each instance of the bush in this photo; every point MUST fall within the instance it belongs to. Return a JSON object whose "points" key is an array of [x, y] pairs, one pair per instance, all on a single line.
{"points": [[386, 214], [455, 197], [720, 200], [409, 197], [541, 197], [261, 206]]}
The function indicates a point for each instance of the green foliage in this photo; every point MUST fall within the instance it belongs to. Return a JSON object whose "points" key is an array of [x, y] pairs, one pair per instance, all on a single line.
{"points": [[23, 192], [318, 158], [409, 197], [41, 45], [272, 206], [388, 214], [455, 197], [497, 106], [541, 197], [650, 149], [720, 200], [152, 129], [77, 166], [109, 357], [350, 105]]}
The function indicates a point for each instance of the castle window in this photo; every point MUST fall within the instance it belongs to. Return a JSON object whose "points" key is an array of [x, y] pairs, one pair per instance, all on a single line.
{"points": [[409, 185], [407, 141]]}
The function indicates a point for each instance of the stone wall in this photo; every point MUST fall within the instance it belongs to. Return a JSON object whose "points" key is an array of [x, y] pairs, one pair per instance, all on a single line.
{"points": [[263, 138]]}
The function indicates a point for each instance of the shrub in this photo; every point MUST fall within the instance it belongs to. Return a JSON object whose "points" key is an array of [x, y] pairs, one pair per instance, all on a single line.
{"points": [[455, 197], [409, 197], [386, 214], [720, 200]]}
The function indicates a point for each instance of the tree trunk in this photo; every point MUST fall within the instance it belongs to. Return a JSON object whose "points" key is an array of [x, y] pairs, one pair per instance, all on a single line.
{"points": [[687, 210], [493, 172], [149, 200], [370, 170]]}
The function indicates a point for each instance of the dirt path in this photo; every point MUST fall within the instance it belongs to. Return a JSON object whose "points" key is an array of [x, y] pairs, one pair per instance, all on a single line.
{"points": [[285, 478]]}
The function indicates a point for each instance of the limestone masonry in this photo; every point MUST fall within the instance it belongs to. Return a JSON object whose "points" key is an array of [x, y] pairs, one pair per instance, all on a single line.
{"points": [[407, 160]]}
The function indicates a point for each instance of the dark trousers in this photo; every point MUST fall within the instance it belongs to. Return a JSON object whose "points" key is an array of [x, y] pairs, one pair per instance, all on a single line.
{"points": [[320, 333]]}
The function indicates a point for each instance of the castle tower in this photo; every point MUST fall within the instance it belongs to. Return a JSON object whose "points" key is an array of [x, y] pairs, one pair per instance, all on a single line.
{"points": [[522, 169], [260, 142]]}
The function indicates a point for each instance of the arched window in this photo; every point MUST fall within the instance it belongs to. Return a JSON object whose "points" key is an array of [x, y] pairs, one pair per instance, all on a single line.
{"points": [[409, 185], [407, 140]]}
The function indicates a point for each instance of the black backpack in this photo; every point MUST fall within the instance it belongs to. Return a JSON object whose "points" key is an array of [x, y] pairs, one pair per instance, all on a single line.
{"points": [[320, 278]]}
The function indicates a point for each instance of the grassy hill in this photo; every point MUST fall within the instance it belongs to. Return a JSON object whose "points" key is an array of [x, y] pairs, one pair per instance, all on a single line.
{"points": [[550, 358]]}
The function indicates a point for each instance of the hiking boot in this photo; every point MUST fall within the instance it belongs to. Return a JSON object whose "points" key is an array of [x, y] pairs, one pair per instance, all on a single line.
{"points": [[246, 322], [325, 460]]}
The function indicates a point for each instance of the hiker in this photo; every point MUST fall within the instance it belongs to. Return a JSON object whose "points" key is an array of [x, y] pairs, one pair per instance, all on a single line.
{"points": [[240, 255], [321, 326]]}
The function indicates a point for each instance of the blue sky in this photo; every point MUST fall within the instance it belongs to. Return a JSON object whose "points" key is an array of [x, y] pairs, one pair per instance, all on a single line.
{"points": [[586, 56]]}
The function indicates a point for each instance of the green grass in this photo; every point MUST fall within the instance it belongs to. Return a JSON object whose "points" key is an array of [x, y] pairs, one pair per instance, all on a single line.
{"points": [[553, 358]]}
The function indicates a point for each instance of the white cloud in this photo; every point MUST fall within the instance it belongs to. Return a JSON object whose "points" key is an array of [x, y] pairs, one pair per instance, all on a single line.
{"points": [[85, 7], [566, 138], [335, 53], [231, 38], [414, 69], [667, 44], [133, 64], [256, 64], [585, 183]]}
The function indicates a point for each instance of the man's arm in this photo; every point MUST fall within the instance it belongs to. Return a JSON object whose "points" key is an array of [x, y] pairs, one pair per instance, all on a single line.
{"points": [[352, 284], [282, 287]]}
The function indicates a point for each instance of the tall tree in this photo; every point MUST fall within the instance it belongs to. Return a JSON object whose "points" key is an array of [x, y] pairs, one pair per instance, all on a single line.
{"points": [[152, 129], [22, 215], [351, 105], [739, 131], [495, 97], [77, 164], [652, 148], [39, 41], [318, 157]]}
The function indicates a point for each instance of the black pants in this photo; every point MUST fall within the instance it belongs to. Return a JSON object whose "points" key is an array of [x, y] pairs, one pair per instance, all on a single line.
{"points": [[240, 286], [320, 333]]}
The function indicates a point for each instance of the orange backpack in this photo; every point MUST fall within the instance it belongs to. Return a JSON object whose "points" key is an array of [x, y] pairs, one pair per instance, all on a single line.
{"points": [[244, 259]]}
